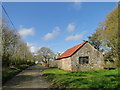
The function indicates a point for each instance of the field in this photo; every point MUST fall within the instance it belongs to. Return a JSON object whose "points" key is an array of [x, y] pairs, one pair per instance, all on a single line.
{"points": [[86, 79]]}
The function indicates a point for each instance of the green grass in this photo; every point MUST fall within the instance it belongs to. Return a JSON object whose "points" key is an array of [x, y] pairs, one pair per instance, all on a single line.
{"points": [[41, 66], [10, 72], [82, 79]]}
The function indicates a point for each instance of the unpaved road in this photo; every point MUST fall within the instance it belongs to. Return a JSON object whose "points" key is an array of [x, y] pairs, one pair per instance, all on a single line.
{"points": [[29, 78]]}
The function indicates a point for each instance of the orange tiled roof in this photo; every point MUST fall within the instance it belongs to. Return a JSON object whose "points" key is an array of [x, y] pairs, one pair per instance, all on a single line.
{"points": [[71, 51]]}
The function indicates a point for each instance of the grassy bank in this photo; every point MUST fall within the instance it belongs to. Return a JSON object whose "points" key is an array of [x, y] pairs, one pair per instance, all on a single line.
{"points": [[86, 79], [9, 72]]}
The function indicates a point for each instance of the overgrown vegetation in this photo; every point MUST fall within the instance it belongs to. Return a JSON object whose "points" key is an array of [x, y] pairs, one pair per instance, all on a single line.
{"points": [[14, 52], [82, 79], [11, 71], [105, 39]]}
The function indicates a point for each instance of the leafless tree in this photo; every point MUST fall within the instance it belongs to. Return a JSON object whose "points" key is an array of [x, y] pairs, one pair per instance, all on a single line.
{"points": [[46, 54]]}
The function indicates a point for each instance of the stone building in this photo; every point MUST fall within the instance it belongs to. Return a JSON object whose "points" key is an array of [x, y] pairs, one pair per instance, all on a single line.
{"points": [[80, 58]]}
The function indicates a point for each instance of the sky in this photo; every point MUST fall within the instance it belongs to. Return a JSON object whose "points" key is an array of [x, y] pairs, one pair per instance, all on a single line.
{"points": [[56, 25]]}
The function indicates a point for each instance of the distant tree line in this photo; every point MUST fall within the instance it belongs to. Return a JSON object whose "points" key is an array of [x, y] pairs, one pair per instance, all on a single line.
{"points": [[106, 37], [14, 50]]}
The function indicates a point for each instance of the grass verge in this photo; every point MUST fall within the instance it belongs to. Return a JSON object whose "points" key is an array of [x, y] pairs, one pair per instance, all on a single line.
{"points": [[82, 79], [41, 66], [10, 72]]}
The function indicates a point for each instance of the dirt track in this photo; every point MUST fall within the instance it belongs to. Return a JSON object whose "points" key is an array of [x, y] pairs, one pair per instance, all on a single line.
{"points": [[29, 78]]}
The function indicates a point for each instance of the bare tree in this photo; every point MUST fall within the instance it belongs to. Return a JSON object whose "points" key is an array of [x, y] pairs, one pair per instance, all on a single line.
{"points": [[14, 50], [46, 54]]}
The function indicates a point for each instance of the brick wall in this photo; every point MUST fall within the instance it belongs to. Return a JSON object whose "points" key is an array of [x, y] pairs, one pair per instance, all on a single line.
{"points": [[64, 64]]}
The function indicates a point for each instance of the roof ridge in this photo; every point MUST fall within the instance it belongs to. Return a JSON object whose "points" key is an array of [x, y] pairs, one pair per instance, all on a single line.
{"points": [[69, 52]]}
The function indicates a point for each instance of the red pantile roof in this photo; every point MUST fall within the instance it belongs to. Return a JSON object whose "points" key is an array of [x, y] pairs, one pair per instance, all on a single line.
{"points": [[71, 51]]}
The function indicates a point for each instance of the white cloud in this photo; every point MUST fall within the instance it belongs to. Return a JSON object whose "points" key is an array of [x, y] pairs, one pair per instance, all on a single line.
{"points": [[32, 47], [26, 31], [51, 35], [77, 4], [70, 27], [74, 37]]}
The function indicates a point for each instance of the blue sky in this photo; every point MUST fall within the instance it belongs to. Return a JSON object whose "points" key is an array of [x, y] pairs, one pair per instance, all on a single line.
{"points": [[58, 26]]}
